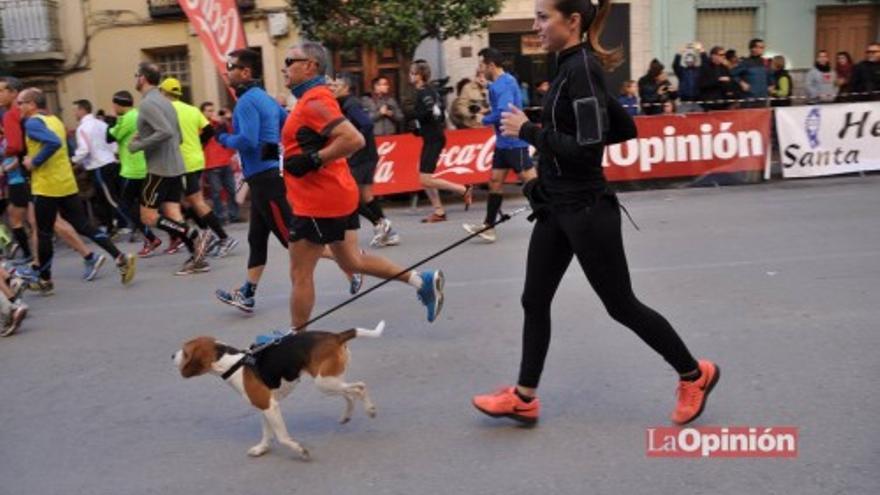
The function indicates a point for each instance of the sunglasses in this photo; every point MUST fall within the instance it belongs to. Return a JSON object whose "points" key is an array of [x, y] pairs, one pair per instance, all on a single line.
{"points": [[231, 67], [290, 61]]}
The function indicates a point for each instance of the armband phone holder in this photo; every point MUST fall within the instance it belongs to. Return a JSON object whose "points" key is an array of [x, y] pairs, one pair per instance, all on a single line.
{"points": [[591, 114]]}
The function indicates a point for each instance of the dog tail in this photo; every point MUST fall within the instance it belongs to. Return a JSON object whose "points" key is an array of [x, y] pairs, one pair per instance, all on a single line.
{"points": [[363, 332]]}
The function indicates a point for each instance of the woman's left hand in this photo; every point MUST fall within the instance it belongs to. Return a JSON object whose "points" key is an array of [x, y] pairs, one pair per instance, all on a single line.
{"points": [[512, 121]]}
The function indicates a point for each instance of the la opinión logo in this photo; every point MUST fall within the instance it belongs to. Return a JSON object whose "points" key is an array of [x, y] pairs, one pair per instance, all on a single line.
{"points": [[722, 441]]}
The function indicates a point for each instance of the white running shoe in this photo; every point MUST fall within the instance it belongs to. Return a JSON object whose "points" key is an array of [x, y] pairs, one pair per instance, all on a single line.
{"points": [[487, 235]]}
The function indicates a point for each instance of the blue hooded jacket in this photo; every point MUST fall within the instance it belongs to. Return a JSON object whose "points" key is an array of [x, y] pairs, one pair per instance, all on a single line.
{"points": [[257, 120]]}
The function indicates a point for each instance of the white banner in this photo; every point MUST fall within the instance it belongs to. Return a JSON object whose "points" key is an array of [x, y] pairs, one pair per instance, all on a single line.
{"points": [[828, 139]]}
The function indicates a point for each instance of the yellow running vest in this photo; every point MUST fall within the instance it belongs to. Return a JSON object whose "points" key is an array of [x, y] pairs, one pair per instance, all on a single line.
{"points": [[54, 178]]}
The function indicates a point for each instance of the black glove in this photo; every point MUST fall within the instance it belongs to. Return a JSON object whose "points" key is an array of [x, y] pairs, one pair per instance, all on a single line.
{"points": [[300, 165], [538, 199]]}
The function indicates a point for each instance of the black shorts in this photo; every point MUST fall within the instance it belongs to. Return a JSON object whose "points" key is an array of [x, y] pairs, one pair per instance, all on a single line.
{"points": [[20, 195], [322, 230], [431, 149], [192, 182], [517, 159], [158, 190], [363, 173]]}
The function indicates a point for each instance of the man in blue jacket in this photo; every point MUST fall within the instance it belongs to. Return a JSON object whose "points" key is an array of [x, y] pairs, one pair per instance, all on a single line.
{"points": [[510, 153], [687, 65], [257, 121], [754, 76]]}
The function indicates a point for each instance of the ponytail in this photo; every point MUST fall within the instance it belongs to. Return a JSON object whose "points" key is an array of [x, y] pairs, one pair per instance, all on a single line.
{"points": [[610, 59], [592, 23]]}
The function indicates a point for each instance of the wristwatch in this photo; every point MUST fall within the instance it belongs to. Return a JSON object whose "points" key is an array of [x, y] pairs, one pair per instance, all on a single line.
{"points": [[315, 158]]}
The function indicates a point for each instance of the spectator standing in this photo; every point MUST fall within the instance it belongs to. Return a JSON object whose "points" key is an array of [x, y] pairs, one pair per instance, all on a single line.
{"points": [[218, 165], [782, 90], [753, 76], [732, 59], [383, 108], [629, 97], [866, 75], [716, 84], [843, 70], [654, 89], [821, 81], [686, 66]]}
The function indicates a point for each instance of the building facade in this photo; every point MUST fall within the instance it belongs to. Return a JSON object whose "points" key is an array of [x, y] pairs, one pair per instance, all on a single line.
{"points": [[793, 28], [511, 31], [90, 49]]}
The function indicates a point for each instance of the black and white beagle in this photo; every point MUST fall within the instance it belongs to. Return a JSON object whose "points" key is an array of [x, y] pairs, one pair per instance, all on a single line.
{"points": [[274, 372]]}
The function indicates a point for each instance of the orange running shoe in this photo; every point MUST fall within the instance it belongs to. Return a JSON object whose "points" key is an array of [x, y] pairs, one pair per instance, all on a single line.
{"points": [[504, 403], [434, 218], [692, 396]]}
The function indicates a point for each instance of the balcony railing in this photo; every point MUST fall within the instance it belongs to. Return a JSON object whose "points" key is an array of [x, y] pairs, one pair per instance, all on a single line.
{"points": [[165, 9], [30, 30]]}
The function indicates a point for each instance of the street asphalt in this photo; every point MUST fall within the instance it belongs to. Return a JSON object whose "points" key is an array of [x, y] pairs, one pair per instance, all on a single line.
{"points": [[776, 282]]}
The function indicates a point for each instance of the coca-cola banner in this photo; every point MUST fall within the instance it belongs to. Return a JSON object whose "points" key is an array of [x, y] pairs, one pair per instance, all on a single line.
{"points": [[685, 145], [828, 139], [218, 24], [466, 159]]}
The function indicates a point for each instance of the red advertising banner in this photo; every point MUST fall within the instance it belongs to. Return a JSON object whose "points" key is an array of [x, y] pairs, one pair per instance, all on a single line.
{"points": [[685, 145], [690, 145], [466, 159], [218, 24]]}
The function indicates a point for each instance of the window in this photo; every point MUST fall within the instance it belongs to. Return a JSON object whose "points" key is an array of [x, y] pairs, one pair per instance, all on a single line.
{"points": [[365, 63], [728, 27], [174, 62]]}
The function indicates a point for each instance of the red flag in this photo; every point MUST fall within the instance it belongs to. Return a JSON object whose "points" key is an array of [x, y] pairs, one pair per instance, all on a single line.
{"points": [[218, 24]]}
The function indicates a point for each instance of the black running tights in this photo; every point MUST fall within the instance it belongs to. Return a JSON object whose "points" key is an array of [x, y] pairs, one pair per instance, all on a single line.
{"points": [[594, 236]]}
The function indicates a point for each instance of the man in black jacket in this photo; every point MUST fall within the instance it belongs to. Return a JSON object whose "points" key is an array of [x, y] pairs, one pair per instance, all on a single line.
{"points": [[866, 75], [363, 163], [715, 82]]}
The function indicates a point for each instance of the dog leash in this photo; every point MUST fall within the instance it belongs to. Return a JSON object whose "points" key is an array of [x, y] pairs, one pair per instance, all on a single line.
{"points": [[249, 357]]}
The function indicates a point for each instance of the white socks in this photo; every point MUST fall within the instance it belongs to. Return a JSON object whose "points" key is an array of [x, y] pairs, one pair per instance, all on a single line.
{"points": [[415, 280]]}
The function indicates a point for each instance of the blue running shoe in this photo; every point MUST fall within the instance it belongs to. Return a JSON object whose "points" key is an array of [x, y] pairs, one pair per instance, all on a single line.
{"points": [[26, 273], [357, 281], [237, 299], [431, 293], [93, 267]]}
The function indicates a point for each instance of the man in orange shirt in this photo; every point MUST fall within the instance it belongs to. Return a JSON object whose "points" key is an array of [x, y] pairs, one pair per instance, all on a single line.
{"points": [[316, 138]]}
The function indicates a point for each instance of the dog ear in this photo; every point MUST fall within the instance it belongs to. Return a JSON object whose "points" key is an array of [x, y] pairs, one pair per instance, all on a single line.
{"points": [[197, 358]]}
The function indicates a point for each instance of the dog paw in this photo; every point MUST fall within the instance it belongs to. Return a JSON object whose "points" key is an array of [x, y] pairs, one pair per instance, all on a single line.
{"points": [[371, 412], [344, 419], [304, 453], [258, 450]]}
